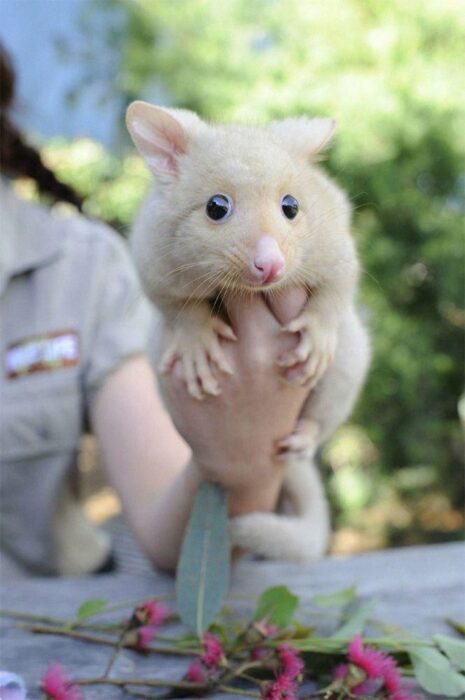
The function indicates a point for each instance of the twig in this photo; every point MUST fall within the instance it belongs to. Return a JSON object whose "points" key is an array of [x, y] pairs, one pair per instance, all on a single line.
{"points": [[148, 682], [238, 691], [249, 678], [77, 622], [44, 629], [118, 646], [17, 615]]}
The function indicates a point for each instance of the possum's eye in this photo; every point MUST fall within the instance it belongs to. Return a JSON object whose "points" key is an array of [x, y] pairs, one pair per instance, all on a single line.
{"points": [[290, 206], [219, 208]]}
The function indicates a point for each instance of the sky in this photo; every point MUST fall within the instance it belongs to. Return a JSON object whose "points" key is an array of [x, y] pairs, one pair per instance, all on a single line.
{"points": [[29, 30]]}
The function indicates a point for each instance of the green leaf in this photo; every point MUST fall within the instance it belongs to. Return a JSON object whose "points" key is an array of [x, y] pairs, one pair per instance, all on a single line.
{"points": [[277, 605], [356, 622], [459, 627], [300, 631], [336, 599], [454, 649], [435, 674], [202, 576], [91, 607], [320, 645]]}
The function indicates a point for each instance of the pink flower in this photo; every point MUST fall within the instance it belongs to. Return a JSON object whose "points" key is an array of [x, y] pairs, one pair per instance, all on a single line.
{"points": [[369, 660], [152, 612], [283, 688], [56, 687], [377, 664], [144, 637], [391, 677], [291, 663], [196, 673], [212, 650]]}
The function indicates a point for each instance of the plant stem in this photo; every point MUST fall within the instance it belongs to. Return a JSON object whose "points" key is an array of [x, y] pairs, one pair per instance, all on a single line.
{"points": [[44, 629], [77, 622], [18, 615], [116, 651], [248, 678], [59, 621], [131, 604], [232, 673], [148, 682], [238, 691]]}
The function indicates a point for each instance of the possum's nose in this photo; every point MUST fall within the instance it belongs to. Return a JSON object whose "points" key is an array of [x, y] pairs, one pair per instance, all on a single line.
{"points": [[268, 261]]}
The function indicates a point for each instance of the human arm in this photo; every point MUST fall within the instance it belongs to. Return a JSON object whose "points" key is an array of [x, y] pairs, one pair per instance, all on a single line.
{"points": [[147, 461]]}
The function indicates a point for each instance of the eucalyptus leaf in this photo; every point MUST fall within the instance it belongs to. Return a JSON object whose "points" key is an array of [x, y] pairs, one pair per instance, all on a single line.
{"points": [[435, 673], [357, 621], [454, 649], [336, 599], [459, 627], [277, 605], [91, 607], [320, 645], [202, 576]]}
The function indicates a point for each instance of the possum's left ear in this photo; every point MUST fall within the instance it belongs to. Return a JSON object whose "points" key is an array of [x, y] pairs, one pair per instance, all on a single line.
{"points": [[304, 136]]}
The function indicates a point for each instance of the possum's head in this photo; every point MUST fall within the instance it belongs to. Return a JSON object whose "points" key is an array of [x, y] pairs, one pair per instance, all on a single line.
{"points": [[242, 203]]}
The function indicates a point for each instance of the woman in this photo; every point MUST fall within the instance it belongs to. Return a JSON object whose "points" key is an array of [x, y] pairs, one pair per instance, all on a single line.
{"points": [[73, 337]]}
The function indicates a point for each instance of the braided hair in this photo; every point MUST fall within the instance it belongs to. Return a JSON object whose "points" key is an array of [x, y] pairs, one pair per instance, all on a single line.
{"points": [[18, 158]]}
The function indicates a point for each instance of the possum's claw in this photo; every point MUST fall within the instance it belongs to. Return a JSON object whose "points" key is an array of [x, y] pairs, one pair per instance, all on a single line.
{"points": [[307, 363], [198, 348]]}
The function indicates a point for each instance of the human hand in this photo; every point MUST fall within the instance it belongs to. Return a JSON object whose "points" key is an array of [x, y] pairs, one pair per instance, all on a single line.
{"points": [[234, 436]]}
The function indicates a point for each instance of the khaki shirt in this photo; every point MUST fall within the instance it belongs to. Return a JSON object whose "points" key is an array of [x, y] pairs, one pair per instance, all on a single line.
{"points": [[71, 310]]}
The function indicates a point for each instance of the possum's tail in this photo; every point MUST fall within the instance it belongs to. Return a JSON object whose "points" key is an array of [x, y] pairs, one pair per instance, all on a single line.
{"points": [[301, 537]]}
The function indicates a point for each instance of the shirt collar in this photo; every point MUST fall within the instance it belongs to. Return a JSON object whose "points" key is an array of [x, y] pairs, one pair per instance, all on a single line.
{"points": [[30, 235]]}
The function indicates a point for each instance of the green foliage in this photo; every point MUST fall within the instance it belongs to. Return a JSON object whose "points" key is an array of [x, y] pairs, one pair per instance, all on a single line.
{"points": [[91, 607], [336, 599], [277, 605], [356, 622], [392, 75], [112, 186], [202, 575], [436, 674], [453, 648]]}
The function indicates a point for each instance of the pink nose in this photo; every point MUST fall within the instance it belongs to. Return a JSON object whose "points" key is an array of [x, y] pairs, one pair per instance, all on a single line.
{"points": [[268, 261]]}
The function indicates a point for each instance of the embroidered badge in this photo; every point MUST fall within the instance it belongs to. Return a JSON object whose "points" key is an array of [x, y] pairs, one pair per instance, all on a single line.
{"points": [[40, 353]]}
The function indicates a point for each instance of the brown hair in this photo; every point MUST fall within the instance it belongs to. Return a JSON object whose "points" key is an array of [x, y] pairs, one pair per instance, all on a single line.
{"points": [[18, 158]]}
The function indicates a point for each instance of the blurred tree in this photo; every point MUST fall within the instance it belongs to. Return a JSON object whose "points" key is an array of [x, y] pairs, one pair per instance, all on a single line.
{"points": [[392, 75]]}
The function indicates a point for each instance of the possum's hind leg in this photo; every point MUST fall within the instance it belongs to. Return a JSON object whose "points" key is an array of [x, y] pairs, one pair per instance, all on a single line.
{"points": [[302, 537], [302, 442]]}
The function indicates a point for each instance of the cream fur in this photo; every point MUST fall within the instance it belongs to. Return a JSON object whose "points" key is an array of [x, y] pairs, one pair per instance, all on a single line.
{"points": [[185, 259]]}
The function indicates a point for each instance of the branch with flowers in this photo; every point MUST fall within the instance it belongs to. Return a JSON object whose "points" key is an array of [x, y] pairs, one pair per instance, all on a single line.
{"points": [[271, 656]]}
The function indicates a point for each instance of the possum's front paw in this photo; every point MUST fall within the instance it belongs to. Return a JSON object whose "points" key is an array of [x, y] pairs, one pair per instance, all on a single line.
{"points": [[198, 348], [308, 362], [302, 442]]}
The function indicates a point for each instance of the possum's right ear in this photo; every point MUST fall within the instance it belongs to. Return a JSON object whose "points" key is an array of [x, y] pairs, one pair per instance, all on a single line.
{"points": [[159, 137]]}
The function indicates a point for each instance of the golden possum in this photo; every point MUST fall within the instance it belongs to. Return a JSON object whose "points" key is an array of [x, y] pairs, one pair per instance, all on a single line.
{"points": [[245, 208]]}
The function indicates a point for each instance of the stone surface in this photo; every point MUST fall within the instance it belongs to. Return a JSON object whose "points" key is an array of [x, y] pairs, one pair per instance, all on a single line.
{"points": [[416, 588]]}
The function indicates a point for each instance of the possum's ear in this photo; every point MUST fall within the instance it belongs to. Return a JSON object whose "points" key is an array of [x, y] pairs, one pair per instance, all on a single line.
{"points": [[158, 135], [304, 136]]}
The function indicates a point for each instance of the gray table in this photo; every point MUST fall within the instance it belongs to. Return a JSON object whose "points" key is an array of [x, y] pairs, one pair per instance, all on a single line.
{"points": [[417, 588]]}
